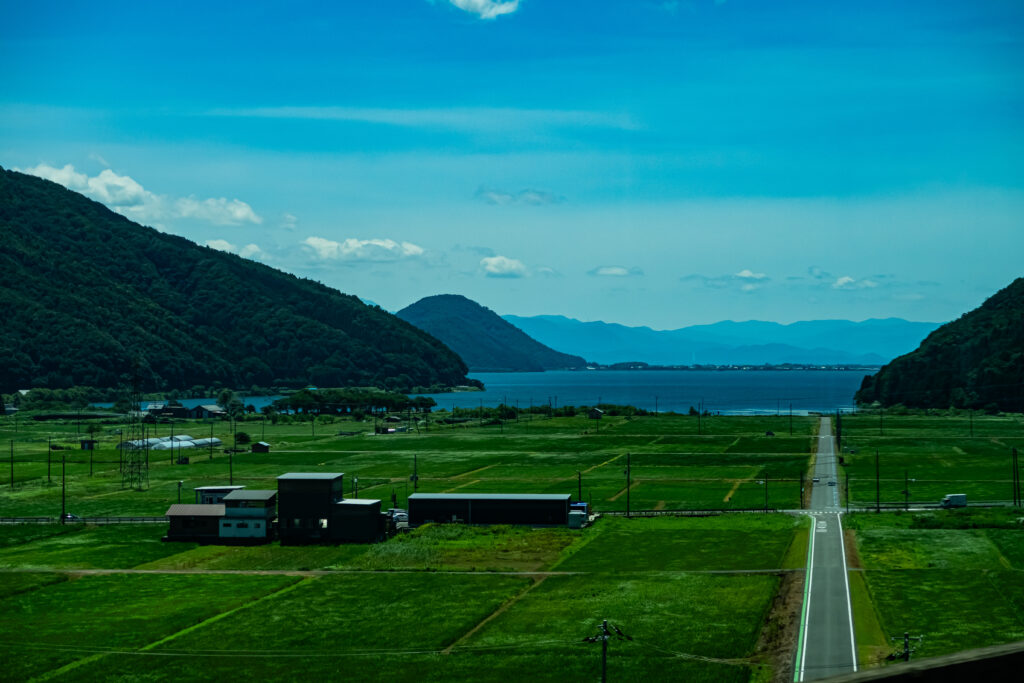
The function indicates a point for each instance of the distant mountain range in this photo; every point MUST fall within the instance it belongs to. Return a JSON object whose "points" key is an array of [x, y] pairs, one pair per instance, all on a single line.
{"points": [[825, 342], [484, 341], [976, 361]]}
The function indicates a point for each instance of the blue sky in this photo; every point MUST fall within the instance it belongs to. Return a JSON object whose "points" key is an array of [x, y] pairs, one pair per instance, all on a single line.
{"points": [[649, 163]]}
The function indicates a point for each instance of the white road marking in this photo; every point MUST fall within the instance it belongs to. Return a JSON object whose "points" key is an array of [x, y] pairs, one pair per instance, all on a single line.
{"points": [[807, 610], [846, 583]]}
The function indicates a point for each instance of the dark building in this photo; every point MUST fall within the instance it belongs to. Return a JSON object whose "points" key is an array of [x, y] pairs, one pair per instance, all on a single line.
{"points": [[489, 508], [191, 522], [305, 505], [358, 520], [260, 447]]}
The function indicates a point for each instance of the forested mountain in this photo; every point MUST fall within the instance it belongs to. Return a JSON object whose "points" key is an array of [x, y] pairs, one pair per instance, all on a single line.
{"points": [[976, 361], [479, 335], [84, 292], [869, 342]]}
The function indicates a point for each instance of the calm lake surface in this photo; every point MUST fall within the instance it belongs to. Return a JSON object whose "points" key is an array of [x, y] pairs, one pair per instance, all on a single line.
{"points": [[733, 392]]}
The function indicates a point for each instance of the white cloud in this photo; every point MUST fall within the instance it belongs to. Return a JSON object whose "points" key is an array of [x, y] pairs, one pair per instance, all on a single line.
{"points": [[747, 274], [220, 245], [217, 211], [487, 9], [289, 222], [847, 282], [527, 196], [249, 251], [126, 196], [363, 250], [502, 266], [252, 251], [615, 271]]}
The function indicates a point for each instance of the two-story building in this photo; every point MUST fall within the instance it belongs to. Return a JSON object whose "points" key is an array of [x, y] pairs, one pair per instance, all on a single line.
{"points": [[249, 515]]}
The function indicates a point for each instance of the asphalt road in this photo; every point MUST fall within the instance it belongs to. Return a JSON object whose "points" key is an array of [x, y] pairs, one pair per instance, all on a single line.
{"points": [[826, 644]]}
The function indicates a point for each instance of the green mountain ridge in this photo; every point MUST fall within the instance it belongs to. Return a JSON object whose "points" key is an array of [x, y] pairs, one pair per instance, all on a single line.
{"points": [[485, 341], [976, 361], [84, 292]]}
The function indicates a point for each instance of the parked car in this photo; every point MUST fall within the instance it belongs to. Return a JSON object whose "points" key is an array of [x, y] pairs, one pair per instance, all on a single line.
{"points": [[831, 483], [816, 480], [69, 518]]}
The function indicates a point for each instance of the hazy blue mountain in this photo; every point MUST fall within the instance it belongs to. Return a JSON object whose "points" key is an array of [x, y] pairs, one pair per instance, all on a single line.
{"points": [[482, 338], [869, 342]]}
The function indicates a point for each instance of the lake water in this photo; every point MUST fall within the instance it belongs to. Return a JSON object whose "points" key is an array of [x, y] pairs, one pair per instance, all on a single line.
{"points": [[732, 392]]}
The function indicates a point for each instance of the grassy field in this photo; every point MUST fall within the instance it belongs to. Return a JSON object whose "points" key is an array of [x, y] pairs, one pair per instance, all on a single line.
{"points": [[938, 454], [441, 603], [954, 577], [723, 467]]}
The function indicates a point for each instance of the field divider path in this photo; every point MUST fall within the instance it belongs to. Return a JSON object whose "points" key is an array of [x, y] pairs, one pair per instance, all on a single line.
{"points": [[537, 580], [215, 618], [606, 462]]}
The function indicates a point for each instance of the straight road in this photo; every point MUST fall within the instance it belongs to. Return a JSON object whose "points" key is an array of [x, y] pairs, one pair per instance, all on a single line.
{"points": [[826, 644]]}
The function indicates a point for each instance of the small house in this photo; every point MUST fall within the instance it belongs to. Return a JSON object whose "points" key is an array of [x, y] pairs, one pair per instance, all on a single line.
{"points": [[595, 414], [260, 447], [358, 520], [88, 444], [189, 522]]}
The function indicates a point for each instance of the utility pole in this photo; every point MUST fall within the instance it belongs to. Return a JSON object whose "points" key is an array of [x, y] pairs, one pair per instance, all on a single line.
{"points": [[1013, 462], [63, 486], [604, 635], [801, 489], [629, 475], [907, 650], [231, 467], [415, 475], [878, 490]]}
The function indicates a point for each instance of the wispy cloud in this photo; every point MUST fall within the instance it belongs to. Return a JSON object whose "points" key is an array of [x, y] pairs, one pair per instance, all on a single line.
{"points": [[466, 119], [616, 271], [745, 280], [372, 250], [502, 266], [487, 9], [126, 196], [249, 251], [528, 196], [847, 282]]}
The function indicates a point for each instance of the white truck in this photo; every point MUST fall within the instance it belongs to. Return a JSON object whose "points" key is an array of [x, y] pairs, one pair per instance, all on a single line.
{"points": [[954, 500]]}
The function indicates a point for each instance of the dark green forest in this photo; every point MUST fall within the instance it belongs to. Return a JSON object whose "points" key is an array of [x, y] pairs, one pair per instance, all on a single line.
{"points": [[85, 293], [976, 361], [483, 339]]}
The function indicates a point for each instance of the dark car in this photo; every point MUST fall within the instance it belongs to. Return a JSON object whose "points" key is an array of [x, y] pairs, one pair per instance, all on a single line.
{"points": [[68, 517]]}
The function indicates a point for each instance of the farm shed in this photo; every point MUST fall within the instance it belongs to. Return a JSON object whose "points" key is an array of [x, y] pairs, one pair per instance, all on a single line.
{"points": [[357, 520], [305, 503], [190, 522], [489, 508], [213, 494], [248, 514], [260, 447], [207, 411]]}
